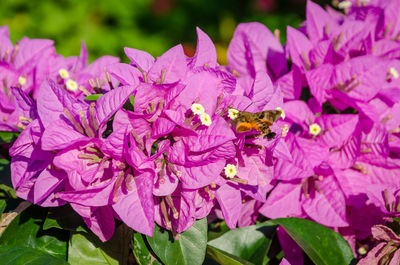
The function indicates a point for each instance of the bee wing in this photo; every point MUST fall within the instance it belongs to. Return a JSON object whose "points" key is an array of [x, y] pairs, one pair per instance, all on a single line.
{"points": [[263, 125]]}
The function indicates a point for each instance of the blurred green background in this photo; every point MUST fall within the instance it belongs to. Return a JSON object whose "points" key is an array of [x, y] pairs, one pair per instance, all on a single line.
{"points": [[150, 25]]}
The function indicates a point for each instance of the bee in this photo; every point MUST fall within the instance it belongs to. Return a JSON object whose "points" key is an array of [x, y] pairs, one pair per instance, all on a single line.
{"points": [[246, 121]]}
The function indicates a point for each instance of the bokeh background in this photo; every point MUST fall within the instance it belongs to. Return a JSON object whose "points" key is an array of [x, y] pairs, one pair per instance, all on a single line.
{"points": [[150, 25]]}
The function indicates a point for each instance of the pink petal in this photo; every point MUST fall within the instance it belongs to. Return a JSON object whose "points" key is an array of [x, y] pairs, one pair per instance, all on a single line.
{"points": [[230, 200], [112, 101], [136, 207], [173, 62], [59, 135], [140, 59], [206, 53], [284, 201], [327, 207]]}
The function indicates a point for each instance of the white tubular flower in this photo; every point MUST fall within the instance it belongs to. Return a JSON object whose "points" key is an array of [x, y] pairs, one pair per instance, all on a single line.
{"points": [[21, 80], [205, 119], [344, 5], [197, 109], [283, 116], [233, 113], [71, 85], [230, 170], [314, 129], [394, 73], [63, 73]]}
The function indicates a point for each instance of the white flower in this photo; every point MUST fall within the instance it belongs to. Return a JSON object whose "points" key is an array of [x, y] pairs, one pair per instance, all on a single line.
{"points": [[285, 130], [344, 4], [230, 170], [283, 116], [63, 73], [233, 113], [205, 119], [21, 80], [393, 72], [314, 129], [197, 109], [71, 85]]}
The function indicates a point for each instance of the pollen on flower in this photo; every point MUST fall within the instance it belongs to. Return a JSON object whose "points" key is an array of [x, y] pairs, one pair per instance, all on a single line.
{"points": [[282, 112], [197, 109], [393, 72], [205, 119], [230, 170], [344, 4], [314, 129], [233, 113], [63, 73], [21, 80], [71, 85]]}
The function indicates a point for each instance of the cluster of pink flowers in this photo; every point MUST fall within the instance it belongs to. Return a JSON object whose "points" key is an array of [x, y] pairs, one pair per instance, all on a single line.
{"points": [[154, 141]]}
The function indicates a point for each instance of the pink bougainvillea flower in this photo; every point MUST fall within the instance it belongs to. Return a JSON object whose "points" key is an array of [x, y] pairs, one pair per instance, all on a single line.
{"points": [[385, 251], [254, 48]]}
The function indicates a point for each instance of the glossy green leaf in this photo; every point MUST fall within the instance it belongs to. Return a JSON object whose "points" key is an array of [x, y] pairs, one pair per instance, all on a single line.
{"points": [[64, 217], [223, 257], [142, 251], [8, 137], [93, 97], [86, 248], [26, 231], [21, 255], [321, 244], [189, 249], [249, 243]]}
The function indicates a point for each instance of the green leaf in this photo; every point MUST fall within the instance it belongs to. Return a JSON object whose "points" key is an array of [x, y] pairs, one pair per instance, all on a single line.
{"points": [[143, 252], [21, 255], [3, 205], [7, 192], [129, 104], [321, 244], [86, 248], [26, 231], [64, 217], [223, 257], [4, 162], [215, 232], [189, 249], [132, 100], [93, 97], [249, 243], [8, 137]]}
